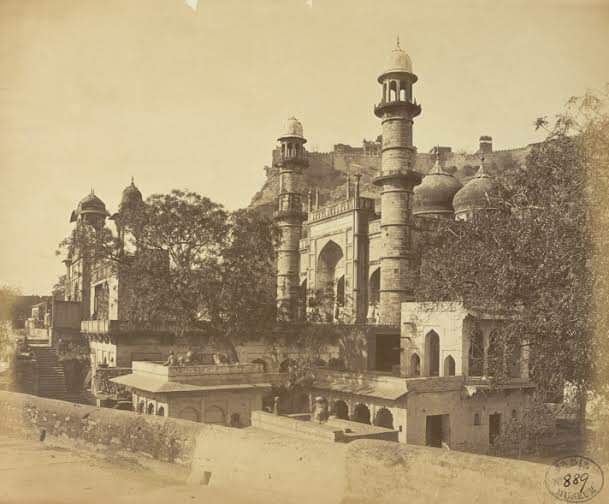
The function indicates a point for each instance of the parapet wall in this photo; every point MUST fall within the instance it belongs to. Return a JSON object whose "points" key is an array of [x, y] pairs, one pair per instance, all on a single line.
{"points": [[364, 471]]}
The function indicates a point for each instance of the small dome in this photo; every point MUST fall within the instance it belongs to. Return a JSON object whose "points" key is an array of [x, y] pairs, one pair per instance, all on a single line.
{"points": [[398, 60], [90, 204], [435, 193], [480, 193], [293, 128], [131, 196]]}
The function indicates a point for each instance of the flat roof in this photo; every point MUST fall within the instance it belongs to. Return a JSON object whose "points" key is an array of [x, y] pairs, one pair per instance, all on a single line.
{"points": [[156, 385]]}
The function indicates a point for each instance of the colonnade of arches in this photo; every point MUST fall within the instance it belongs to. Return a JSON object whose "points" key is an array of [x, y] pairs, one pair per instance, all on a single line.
{"points": [[431, 364], [290, 150], [396, 90], [360, 412]]}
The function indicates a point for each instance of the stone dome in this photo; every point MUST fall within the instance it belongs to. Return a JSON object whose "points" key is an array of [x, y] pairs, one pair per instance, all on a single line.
{"points": [[90, 204], [480, 193], [435, 193], [131, 196], [398, 61], [293, 128]]}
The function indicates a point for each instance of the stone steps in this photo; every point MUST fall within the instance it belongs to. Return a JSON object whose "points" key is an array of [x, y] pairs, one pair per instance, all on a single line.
{"points": [[51, 375]]}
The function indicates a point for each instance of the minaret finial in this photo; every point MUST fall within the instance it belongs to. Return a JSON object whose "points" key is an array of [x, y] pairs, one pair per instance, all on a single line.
{"points": [[481, 171], [397, 41], [132, 181]]}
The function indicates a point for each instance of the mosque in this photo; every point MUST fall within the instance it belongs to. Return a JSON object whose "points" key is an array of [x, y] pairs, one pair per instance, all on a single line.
{"points": [[352, 262]]}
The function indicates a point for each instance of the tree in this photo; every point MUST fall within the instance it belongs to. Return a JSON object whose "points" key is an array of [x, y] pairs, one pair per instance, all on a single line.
{"points": [[541, 256], [186, 259]]}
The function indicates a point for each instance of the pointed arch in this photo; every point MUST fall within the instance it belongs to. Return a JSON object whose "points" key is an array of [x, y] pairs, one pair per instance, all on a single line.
{"points": [[330, 268], [432, 353], [384, 418], [415, 365], [449, 366]]}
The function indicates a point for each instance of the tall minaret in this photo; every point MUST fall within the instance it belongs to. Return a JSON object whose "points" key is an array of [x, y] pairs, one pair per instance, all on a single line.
{"points": [[397, 180], [289, 217]]}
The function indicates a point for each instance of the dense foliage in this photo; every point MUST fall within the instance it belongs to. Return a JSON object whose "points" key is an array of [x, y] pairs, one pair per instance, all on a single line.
{"points": [[186, 259], [541, 257]]}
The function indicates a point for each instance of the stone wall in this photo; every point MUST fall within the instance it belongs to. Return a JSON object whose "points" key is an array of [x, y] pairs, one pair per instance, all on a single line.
{"points": [[364, 471]]}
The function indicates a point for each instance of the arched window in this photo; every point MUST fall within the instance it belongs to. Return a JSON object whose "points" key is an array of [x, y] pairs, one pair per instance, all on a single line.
{"points": [[361, 414], [476, 353], [432, 353], [341, 410], [476, 418], [449, 366], [393, 91], [340, 291], [402, 92], [415, 365], [494, 354], [384, 418], [150, 409], [160, 411]]}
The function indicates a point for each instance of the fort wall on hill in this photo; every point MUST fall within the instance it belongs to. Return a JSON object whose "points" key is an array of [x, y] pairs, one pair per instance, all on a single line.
{"points": [[328, 171]]}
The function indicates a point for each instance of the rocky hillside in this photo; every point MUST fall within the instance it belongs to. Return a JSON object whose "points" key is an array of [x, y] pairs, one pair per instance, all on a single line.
{"points": [[328, 172]]}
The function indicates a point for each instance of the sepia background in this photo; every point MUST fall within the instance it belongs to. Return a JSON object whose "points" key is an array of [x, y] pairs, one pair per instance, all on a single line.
{"points": [[92, 93]]}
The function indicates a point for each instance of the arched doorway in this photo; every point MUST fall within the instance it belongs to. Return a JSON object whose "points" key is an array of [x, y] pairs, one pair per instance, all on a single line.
{"points": [[449, 366], [341, 410], [432, 353], [189, 413], [361, 414], [330, 266], [160, 411], [384, 418], [374, 287], [214, 415], [415, 365]]}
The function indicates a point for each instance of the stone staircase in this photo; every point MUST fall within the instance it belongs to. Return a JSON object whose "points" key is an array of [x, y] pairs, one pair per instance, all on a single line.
{"points": [[51, 378]]}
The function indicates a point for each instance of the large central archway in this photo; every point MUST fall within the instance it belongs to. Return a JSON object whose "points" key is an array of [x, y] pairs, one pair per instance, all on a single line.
{"points": [[330, 270]]}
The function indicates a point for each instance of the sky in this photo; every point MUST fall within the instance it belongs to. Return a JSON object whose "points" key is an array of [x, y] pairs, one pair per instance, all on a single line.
{"points": [[95, 92]]}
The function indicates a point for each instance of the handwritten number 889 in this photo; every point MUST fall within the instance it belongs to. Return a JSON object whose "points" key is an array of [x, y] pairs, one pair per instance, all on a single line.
{"points": [[575, 480]]}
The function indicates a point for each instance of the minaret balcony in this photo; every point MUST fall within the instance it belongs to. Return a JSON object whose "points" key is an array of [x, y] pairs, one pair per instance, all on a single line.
{"points": [[285, 160], [413, 109]]}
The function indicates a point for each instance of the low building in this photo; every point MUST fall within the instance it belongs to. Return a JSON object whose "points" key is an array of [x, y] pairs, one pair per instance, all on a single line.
{"points": [[224, 394], [53, 321], [445, 394]]}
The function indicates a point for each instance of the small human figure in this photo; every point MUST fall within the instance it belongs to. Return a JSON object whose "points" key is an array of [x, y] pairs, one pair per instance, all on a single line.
{"points": [[276, 405], [320, 410], [188, 358], [171, 359]]}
